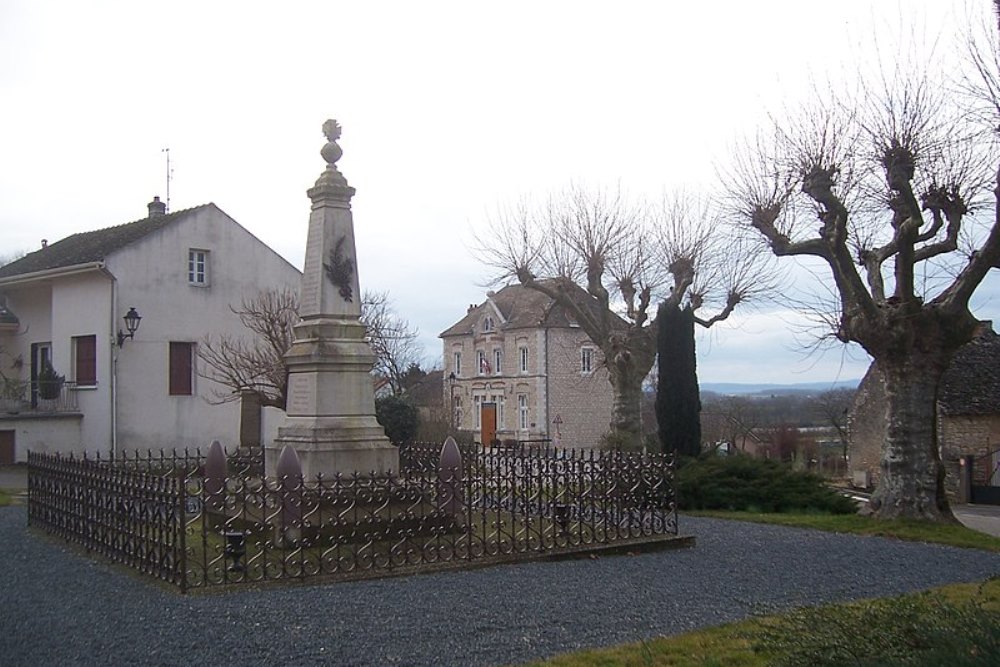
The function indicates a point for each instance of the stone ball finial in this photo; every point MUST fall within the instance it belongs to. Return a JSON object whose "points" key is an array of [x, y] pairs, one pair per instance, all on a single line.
{"points": [[331, 152]]}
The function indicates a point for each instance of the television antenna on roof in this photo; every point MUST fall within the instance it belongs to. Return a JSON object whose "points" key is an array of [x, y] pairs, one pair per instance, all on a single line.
{"points": [[170, 175]]}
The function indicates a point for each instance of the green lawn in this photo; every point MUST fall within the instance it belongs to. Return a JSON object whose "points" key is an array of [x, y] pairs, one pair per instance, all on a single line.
{"points": [[955, 535], [960, 622], [6, 498]]}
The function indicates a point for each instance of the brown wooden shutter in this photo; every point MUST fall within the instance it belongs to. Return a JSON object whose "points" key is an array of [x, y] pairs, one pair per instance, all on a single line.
{"points": [[180, 369], [86, 360]]}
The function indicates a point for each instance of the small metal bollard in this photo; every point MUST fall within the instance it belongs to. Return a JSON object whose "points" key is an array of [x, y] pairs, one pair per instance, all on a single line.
{"points": [[235, 548], [562, 516]]}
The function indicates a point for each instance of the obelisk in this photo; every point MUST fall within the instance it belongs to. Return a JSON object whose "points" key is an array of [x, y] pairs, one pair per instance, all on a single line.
{"points": [[330, 412]]}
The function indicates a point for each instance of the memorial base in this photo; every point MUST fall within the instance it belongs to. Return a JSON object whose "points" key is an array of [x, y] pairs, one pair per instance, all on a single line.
{"points": [[328, 450]]}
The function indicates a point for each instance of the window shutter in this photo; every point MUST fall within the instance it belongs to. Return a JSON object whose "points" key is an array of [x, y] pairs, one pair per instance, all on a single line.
{"points": [[86, 360], [180, 369]]}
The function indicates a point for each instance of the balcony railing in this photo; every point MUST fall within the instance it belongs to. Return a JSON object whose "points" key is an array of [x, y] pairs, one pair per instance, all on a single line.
{"points": [[23, 397]]}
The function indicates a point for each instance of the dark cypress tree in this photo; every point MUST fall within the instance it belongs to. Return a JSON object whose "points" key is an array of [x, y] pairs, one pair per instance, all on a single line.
{"points": [[678, 403]]}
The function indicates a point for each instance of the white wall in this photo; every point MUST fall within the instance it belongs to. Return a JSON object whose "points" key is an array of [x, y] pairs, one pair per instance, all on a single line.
{"points": [[152, 276]]}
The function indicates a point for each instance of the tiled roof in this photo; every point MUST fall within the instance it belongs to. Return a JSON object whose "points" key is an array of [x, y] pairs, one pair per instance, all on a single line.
{"points": [[971, 385], [522, 308], [92, 246]]}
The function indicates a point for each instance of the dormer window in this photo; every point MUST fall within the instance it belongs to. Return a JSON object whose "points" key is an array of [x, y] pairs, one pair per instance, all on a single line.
{"points": [[488, 324]]}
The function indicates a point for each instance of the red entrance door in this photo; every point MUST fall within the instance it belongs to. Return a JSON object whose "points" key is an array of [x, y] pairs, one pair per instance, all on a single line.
{"points": [[488, 419]]}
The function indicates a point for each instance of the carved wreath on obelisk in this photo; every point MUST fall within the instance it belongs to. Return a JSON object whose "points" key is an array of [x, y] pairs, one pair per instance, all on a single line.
{"points": [[340, 270]]}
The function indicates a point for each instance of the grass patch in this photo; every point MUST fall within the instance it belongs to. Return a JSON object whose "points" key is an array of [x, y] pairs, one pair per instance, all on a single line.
{"points": [[5, 498], [959, 623], [955, 535]]}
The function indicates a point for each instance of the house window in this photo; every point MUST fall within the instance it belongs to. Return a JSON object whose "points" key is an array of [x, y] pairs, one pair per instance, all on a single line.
{"points": [[586, 359], [479, 412], [497, 361], [85, 360], [484, 363], [522, 355], [181, 369], [457, 364], [498, 399], [198, 267], [488, 324], [522, 412]]}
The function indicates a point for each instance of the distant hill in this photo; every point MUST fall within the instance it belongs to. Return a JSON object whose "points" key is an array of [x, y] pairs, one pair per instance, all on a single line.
{"points": [[737, 389]]}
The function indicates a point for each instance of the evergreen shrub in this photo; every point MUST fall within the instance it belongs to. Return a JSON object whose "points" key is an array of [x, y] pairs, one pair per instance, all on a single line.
{"points": [[744, 483], [399, 417]]}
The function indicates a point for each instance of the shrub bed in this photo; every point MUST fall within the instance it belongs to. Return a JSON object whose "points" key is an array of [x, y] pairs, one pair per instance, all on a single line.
{"points": [[744, 483]]}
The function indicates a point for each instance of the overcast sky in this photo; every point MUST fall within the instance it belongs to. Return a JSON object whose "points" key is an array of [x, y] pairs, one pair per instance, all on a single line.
{"points": [[448, 110]]}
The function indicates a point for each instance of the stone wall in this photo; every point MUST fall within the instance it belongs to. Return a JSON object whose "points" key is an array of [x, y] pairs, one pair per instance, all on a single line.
{"points": [[866, 426], [582, 400], [959, 436]]}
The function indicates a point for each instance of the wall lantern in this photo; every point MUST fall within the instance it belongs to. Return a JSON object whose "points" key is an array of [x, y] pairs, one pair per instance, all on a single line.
{"points": [[131, 325]]}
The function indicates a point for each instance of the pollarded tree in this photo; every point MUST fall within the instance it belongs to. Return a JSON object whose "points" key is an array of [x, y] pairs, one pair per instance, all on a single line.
{"points": [[626, 257], [881, 187]]}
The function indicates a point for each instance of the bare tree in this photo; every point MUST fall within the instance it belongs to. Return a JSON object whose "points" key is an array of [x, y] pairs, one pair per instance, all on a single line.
{"points": [[624, 257], [256, 362], [881, 186], [392, 339], [832, 408]]}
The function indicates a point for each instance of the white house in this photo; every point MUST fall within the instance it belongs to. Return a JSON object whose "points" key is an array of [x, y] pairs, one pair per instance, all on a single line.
{"points": [[65, 305]]}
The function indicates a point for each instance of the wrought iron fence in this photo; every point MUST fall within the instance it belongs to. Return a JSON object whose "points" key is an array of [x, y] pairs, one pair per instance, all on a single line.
{"points": [[160, 514]]}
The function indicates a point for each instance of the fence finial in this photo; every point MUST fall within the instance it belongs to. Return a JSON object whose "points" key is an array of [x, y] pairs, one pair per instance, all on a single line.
{"points": [[450, 477]]}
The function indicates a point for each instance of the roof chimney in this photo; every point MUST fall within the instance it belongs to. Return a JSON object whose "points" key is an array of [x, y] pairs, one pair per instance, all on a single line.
{"points": [[156, 208], [45, 243]]}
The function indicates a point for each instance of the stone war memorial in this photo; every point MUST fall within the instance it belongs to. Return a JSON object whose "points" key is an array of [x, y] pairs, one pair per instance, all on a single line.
{"points": [[331, 404], [332, 497]]}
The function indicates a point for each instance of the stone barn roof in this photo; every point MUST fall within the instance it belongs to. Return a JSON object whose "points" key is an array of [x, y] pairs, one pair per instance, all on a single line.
{"points": [[971, 385]]}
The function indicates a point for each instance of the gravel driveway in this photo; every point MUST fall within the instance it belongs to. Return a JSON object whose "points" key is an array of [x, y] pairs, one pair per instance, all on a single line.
{"points": [[59, 608]]}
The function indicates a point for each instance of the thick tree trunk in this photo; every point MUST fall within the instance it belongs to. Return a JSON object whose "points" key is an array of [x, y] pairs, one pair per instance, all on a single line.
{"points": [[626, 415], [911, 485]]}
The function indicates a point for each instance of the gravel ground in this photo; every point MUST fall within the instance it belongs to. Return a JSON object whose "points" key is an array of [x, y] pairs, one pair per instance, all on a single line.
{"points": [[59, 608]]}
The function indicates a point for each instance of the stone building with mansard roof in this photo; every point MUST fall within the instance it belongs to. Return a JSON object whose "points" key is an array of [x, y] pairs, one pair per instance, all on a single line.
{"points": [[518, 367]]}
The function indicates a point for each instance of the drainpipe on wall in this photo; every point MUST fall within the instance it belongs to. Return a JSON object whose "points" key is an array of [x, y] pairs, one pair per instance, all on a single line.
{"points": [[548, 435], [114, 365]]}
